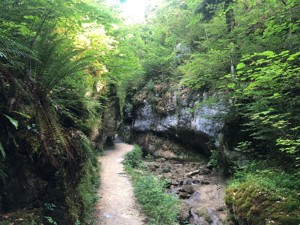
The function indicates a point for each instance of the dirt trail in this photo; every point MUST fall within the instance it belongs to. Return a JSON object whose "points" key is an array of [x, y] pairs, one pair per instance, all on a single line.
{"points": [[117, 205]]}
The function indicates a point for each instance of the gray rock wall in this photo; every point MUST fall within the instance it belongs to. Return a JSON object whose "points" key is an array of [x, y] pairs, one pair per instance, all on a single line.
{"points": [[196, 116], [189, 117], [172, 119]]}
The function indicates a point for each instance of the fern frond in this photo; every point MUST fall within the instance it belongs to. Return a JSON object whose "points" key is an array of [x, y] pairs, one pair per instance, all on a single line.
{"points": [[51, 134], [62, 68], [2, 151], [55, 66], [10, 49]]}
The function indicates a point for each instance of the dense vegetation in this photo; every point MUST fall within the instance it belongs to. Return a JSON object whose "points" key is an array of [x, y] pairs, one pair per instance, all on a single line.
{"points": [[245, 53], [246, 50], [264, 196], [61, 60], [59, 63]]}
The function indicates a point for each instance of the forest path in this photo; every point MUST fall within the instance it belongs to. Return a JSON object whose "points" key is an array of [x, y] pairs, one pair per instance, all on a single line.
{"points": [[117, 205]]}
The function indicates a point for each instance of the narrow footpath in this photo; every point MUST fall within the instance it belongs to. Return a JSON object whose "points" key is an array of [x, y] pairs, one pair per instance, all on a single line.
{"points": [[117, 204]]}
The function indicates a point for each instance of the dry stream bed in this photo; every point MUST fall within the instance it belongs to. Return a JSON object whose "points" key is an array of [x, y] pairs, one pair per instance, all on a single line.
{"points": [[199, 188]]}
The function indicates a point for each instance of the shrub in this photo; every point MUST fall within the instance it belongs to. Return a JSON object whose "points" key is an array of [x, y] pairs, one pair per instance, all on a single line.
{"points": [[134, 157], [158, 205]]}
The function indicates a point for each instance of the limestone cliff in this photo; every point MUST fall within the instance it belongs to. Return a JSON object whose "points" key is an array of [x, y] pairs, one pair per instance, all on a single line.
{"points": [[170, 120]]}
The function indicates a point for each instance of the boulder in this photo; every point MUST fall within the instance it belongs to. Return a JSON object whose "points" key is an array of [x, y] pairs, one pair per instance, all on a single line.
{"points": [[184, 212]]}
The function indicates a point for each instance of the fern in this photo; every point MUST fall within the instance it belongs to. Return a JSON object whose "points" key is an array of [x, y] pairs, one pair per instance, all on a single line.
{"points": [[53, 138], [55, 66], [48, 75], [9, 49]]}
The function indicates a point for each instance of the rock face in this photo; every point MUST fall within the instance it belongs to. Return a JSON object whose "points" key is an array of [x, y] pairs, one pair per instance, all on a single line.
{"points": [[111, 120], [168, 120], [181, 113], [21, 185], [178, 115], [171, 121]]}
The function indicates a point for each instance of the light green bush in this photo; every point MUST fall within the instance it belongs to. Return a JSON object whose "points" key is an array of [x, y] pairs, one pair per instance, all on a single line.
{"points": [[134, 157]]}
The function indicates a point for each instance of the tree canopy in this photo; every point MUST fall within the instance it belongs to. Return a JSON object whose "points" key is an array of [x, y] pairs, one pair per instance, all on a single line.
{"points": [[247, 50]]}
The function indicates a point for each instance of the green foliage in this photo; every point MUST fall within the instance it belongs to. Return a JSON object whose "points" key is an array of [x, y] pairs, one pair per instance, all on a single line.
{"points": [[150, 192], [54, 67], [203, 69], [3, 156], [213, 159], [280, 181], [87, 190], [77, 110], [60, 79], [244, 146], [161, 208], [264, 196], [268, 83], [50, 220], [57, 59], [13, 52], [249, 52], [150, 85], [134, 157], [82, 203], [2, 152], [14, 122], [157, 62], [49, 206]]}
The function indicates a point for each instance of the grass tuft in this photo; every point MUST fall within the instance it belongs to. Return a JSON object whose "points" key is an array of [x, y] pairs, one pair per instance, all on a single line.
{"points": [[160, 207]]}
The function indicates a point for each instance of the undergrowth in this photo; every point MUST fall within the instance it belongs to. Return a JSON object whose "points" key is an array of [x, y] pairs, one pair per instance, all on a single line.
{"points": [[264, 196], [133, 158], [160, 207], [88, 183]]}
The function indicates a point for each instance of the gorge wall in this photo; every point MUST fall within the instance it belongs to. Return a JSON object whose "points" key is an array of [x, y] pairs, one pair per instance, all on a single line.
{"points": [[170, 120], [48, 165]]}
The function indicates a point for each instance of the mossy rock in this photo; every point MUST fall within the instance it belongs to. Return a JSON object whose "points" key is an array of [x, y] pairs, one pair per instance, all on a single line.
{"points": [[249, 203], [203, 212]]}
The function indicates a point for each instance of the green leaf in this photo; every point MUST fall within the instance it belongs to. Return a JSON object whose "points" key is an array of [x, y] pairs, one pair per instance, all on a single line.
{"points": [[23, 115], [228, 76], [14, 122], [2, 150], [231, 85], [240, 66], [284, 53], [269, 54], [294, 56]]}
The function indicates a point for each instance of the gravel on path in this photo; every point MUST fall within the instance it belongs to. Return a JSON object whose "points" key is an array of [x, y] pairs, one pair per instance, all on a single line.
{"points": [[117, 204]]}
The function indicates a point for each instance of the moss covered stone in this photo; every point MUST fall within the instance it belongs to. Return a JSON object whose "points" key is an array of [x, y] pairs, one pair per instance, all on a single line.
{"points": [[254, 201]]}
